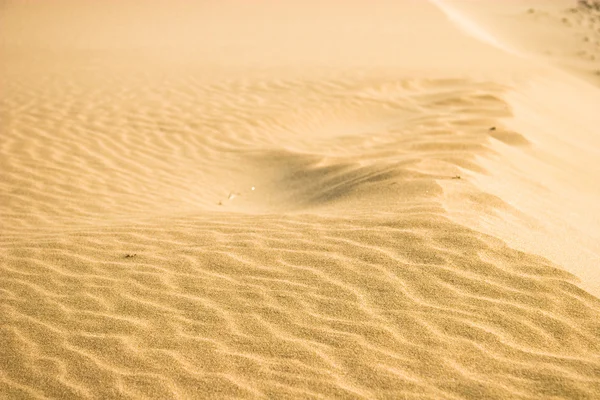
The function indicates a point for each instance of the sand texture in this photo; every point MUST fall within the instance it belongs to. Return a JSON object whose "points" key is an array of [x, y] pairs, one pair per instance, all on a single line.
{"points": [[273, 200]]}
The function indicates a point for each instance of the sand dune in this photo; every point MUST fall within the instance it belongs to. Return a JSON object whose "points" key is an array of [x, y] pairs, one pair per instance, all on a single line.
{"points": [[294, 200]]}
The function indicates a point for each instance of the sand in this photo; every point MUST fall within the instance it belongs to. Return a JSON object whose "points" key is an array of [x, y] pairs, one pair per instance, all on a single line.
{"points": [[272, 199]]}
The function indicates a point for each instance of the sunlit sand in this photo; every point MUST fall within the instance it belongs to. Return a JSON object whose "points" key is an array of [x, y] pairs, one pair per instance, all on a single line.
{"points": [[300, 199]]}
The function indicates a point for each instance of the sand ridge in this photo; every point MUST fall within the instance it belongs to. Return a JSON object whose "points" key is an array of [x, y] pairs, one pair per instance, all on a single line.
{"points": [[196, 219], [152, 157]]}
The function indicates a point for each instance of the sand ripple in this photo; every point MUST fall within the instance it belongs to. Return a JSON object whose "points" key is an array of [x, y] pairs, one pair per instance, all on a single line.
{"points": [[174, 236], [412, 306]]}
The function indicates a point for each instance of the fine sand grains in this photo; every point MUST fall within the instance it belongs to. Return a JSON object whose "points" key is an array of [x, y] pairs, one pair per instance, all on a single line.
{"points": [[409, 306], [339, 276], [174, 226]]}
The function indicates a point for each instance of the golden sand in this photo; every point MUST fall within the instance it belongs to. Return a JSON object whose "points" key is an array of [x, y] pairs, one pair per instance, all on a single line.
{"points": [[234, 199]]}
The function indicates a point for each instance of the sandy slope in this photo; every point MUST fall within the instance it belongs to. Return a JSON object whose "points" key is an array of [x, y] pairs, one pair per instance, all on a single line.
{"points": [[554, 182], [293, 200]]}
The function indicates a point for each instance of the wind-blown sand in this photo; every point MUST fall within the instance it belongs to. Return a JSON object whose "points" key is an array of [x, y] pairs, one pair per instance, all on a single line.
{"points": [[299, 200]]}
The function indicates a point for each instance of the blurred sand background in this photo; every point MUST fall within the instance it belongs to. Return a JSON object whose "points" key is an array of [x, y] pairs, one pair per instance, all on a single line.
{"points": [[317, 199]]}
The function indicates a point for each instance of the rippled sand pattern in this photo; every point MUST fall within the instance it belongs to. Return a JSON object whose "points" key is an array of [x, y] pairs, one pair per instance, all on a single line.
{"points": [[233, 199], [147, 145], [412, 306], [136, 261]]}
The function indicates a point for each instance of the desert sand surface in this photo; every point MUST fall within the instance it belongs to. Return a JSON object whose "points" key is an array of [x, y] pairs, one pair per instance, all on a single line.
{"points": [[317, 199]]}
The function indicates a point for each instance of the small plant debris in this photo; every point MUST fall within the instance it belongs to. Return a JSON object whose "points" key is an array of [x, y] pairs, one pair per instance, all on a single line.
{"points": [[493, 128], [456, 177], [130, 255], [589, 4]]}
